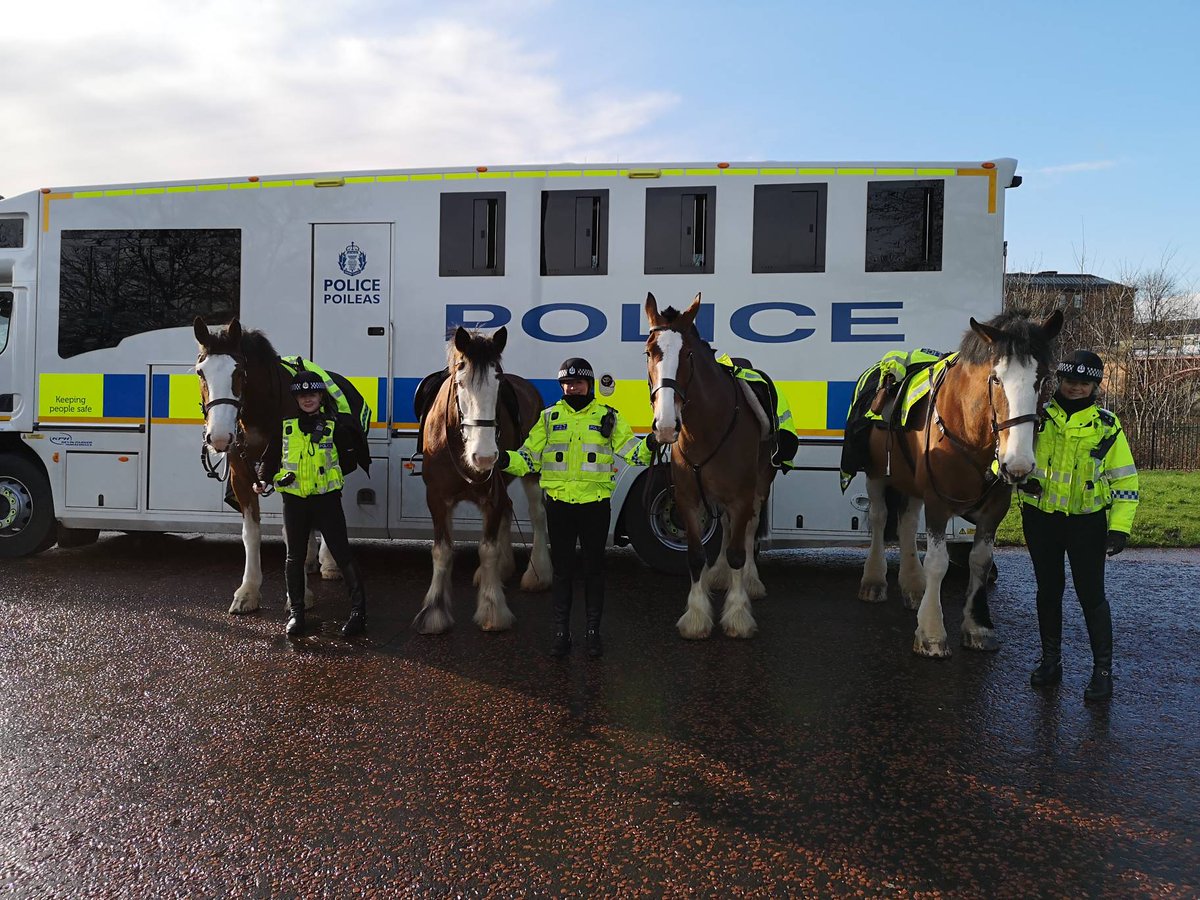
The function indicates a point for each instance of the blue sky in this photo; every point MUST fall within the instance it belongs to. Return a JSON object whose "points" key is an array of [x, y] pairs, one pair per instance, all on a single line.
{"points": [[1097, 101]]}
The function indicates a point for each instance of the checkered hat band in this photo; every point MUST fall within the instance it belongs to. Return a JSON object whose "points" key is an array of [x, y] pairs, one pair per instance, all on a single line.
{"points": [[307, 386], [575, 372], [1077, 370]]}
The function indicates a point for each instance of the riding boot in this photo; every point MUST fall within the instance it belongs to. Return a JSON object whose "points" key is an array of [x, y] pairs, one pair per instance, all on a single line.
{"points": [[1049, 670], [594, 597], [563, 588], [1099, 626], [294, 575], [357, 623]]}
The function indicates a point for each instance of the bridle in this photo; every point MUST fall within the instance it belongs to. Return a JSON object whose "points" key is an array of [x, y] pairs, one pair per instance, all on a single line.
{"points": [[238, 443], [986, 475], [464, 422]]}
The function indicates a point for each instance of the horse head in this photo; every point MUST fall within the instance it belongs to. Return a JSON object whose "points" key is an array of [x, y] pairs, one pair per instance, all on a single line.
{"points": [[669, 365], [474, 365], [1018, 351], [221, 366]]}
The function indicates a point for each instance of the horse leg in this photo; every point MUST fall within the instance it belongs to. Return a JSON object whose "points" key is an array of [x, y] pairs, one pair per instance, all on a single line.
{"points": [[508, 563], [930, 637], [697, 620], [312, 559], [329, 566], [873, 587], [538, 574], [978, 632], [736, 618], [248, 597], [912, 575], [716, 577], [435, 617], [754, 585], [491, 608]]}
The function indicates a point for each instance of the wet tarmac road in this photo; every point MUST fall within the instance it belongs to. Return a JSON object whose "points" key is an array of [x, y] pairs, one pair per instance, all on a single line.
{"points": [[152, 745]]}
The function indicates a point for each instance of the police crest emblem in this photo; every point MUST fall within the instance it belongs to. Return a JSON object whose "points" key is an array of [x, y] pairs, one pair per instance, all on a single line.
{"points": [[352, 260]]}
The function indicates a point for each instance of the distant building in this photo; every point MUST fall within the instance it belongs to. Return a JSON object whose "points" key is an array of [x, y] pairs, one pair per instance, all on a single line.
{"points": [[1085, 300]]}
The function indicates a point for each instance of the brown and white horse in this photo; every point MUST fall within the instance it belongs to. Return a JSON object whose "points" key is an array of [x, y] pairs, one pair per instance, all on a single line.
{"points": [[244, 391], [479, 411], [719, 458], [980, 410]]}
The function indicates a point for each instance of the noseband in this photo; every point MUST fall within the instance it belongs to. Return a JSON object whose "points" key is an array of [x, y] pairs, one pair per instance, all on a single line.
{"points": [[672, 383]]}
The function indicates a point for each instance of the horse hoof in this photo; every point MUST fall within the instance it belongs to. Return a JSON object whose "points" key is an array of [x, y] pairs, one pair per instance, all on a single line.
{"points": [[987, 642], [913, 601], [499, 621], [331, 574], [933, 649], [756, 590], [531, 582], [432, 621], [243, 603], [740, 631], [872, 593]]}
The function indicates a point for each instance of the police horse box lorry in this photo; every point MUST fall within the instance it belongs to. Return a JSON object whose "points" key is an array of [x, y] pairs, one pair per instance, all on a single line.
{"points": [[810, 270]]}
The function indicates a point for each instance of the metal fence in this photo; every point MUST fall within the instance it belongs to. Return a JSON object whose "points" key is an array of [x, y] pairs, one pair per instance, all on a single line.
{"points": [[1167, 445]]}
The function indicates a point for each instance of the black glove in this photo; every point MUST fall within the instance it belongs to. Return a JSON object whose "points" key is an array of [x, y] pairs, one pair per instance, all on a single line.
{"points": [[286, 479], [504, 460], [651, 442], [1030, 486], [1116, 542]]}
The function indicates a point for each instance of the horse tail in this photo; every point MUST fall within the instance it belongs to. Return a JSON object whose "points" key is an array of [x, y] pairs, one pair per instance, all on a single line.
{"points": [[895, 502]]}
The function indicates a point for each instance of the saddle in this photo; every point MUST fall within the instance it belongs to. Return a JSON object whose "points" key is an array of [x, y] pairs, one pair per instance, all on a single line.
{"points": [[888, 403], [764, 390]]}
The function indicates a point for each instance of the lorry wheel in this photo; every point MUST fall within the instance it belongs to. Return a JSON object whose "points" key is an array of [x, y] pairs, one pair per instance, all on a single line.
{"points": [[655, 528], [26, 508]]}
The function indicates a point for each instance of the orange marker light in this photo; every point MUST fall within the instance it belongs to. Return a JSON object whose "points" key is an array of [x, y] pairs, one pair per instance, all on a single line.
{"points": [[989, 165], [481, 168], [45, 190], [722, 165], [252, 178]]}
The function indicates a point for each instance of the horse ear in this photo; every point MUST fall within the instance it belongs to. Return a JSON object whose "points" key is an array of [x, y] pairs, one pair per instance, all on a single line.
{"points": [[1053, 325], [234, 330], [652, 315], [203, 336], [989, 334], [689, 315], [462, 339], [500, 338]]}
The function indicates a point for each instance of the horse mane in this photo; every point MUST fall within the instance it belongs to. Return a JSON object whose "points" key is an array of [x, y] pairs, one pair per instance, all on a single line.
{"points": [[1023, 339], [481, 352], [671, 314], [255, 346]]}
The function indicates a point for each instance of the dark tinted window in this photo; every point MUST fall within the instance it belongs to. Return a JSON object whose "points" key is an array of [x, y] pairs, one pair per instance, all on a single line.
{"points": [[574, 232], [12, 233], [789, 228], [115, 284], [472, 234], [904, 226], [680, 223]]}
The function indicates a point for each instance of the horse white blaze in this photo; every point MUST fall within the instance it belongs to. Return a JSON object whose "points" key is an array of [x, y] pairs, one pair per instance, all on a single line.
{"points": [[1019, 378], [220, 424], [666, 417], [478, 392]]}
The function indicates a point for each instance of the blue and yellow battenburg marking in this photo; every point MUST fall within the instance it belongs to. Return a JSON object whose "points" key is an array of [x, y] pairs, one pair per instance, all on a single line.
{"points": [[819, 407]]}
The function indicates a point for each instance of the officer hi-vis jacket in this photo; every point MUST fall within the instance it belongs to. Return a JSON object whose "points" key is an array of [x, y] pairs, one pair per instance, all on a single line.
{"points": [[314, 463], [1083, 464], [574, 458]]}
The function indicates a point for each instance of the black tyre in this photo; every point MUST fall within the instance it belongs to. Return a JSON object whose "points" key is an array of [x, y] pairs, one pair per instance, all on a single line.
{"points": [[27, 523], [655, 528]]}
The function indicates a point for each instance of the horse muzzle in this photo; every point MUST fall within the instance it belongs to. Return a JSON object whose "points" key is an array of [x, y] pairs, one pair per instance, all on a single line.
{"points": [[665, 435], [220, 443]]}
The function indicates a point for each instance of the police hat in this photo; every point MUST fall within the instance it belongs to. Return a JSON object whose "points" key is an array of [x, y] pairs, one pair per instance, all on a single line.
{"points": [[576, 367], [306, 382], [1082, 365]]}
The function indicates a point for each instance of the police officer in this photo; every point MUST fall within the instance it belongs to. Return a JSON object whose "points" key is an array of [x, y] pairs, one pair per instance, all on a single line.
{"points": [[572, 445], [1080, 501], [310, 480]]}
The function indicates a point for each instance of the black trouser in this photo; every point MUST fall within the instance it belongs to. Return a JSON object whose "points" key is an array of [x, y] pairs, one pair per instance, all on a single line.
{"points": [[301, 515], [1083, 539], [587, 525]]}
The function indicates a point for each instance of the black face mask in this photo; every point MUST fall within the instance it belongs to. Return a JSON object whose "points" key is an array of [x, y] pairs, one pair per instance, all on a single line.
{"points": [[1070, 407], [313, 424], [578, 401]]}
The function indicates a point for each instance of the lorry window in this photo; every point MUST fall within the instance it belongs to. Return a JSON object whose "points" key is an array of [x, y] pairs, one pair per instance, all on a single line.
{"points": [[575, 232], [12, 234], [118, 283], [789, 228], [680, 223], [904, 226], [472, 234], [6, 305]]}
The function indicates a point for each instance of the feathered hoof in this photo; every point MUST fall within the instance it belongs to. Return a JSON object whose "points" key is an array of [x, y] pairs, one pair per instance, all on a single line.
{"points": [[985, 641], [245, 600], [693, 626], [913, 601], [872, 591], [331, 573], [938, 649], [431, 620], [739, 625], [495, 620], [755, 589], [531, 582]]}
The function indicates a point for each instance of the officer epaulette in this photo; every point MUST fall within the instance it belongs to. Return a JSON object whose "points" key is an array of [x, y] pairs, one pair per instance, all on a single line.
{"points": [[1106, 417]]}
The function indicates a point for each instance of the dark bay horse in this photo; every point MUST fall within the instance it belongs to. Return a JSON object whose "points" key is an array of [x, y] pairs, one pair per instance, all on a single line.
{"points": [[975, 441], [720, 458], [244, 391], [478, 411]]}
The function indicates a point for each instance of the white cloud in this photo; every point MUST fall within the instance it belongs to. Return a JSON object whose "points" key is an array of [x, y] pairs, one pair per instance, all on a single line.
{"points": [[1076, 167], [133, 90]]}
